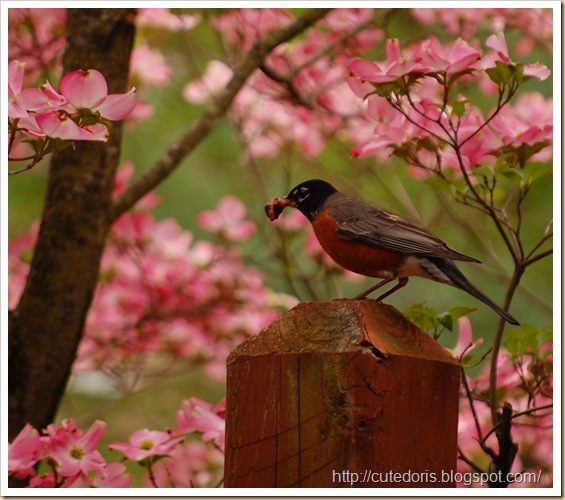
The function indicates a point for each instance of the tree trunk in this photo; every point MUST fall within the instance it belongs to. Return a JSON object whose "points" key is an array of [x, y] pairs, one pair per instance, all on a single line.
{"points": [[46, 327]]}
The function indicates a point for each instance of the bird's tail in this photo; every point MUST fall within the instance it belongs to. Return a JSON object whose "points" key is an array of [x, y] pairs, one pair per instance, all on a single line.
{"points": [[460, 281]]}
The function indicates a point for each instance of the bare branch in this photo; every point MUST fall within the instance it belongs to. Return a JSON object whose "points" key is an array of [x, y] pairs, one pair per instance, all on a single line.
{"points": [[182, 147]]}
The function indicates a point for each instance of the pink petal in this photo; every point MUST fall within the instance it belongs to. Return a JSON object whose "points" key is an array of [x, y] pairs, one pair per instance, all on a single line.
{"points": [[118, 106], [232, 208], [360, 88], [465, 62], [23, 451], [369, 148], [55, 125], [537, 70], [96, 132], [497, 42], [114, 475], [16, 108], [62, 127], [142, 435], [30, 127], [131, 452], [392, 50], [42, 99], [84, 89], [366, 70], [15, 77], [241, 232], [93, 436]]}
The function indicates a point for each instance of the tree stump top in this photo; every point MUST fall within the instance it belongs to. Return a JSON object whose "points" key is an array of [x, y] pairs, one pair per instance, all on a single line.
{"points": [[342, 325]]}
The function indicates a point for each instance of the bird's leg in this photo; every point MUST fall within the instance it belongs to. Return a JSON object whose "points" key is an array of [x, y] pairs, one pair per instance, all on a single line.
{"points": [[401, 283], [363, 296]]}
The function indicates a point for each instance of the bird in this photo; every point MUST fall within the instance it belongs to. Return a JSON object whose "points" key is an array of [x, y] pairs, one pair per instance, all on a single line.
{"points": [[373, 242]]}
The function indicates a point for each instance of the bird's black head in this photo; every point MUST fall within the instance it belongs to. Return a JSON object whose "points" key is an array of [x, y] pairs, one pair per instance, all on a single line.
{"points": [[310, 196]]}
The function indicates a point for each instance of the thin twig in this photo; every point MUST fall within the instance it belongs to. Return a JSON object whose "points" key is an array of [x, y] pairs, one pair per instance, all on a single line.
{"points": [[471, 403], [519, 414], [468, 461]]}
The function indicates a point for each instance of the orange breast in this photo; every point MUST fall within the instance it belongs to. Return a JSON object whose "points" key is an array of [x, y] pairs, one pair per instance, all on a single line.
{"points": [[356, 257]]}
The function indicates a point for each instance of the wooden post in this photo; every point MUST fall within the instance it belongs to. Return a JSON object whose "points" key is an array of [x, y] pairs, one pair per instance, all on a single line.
{"points": [[341, 394]]}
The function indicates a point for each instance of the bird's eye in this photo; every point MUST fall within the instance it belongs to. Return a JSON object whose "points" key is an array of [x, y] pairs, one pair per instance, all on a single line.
{"points": [[302, 194]]}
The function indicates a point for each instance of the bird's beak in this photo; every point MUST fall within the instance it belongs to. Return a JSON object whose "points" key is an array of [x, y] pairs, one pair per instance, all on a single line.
{"points": [[275, 207]]}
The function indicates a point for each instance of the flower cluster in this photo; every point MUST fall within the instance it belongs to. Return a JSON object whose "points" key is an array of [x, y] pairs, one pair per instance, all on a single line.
{"points": [[44, 118], [70, 452], [37, 38], [524, 380], [149, 67], [535, 25], [75, 461], [410, 97], [163, 293], [299, 98], [74, 114]]}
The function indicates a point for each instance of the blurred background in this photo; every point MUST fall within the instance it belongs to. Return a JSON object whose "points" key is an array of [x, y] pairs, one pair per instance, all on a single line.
{"points": [[220, 166]]}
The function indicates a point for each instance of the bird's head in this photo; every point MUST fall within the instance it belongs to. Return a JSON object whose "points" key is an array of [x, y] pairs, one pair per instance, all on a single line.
{"points": [[308, 197]]}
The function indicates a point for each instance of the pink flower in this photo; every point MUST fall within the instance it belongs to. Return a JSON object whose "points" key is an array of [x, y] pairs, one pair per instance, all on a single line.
{"points": [[396, 66], [228, 220], [528, 123], [192, 464], [73, 450], [214, 80], [114, 475], [165, 19], [23, 452], [451, 58], [242, 27], [497, 43], [43, 99], [197, 415], [16, 108], [89, 90], [53, 124], [43, 481], [145, 444], [45, 113], [465, 342], [148, 66]]}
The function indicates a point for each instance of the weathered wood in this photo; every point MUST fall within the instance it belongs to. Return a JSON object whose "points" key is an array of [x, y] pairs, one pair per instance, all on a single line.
{"points": [[340, 394]]}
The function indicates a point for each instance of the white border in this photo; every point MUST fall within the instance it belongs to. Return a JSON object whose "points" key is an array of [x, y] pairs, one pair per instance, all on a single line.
{"points": [[143, 492]]}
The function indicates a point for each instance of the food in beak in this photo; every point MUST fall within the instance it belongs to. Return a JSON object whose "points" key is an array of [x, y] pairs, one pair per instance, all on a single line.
{"points": [[275, 207]]}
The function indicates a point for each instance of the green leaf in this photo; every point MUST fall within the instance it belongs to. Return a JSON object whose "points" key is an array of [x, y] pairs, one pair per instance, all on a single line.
{"points": [[494, 75], [385, 89], [455, 76], [459, 108], [460, 311], [426, 143], [446, 320], [534, 171], [521, 341], [424, 317], [484, 170], [506, 71]]}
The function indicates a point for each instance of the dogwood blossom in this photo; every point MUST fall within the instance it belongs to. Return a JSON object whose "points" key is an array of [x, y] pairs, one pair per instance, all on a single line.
{"points": [[24, 452], [145, 443], [228, 220]]}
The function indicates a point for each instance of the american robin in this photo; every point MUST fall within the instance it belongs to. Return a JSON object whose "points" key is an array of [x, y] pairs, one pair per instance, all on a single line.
{"points": [[370, 241]]}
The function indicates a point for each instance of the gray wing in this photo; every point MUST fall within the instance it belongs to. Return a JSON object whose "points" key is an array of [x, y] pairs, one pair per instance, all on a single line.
{"points": [[378, 228]]}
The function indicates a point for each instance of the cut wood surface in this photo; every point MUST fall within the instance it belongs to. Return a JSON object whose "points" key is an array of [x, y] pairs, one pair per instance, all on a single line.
{"points": [[340, 394]]}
